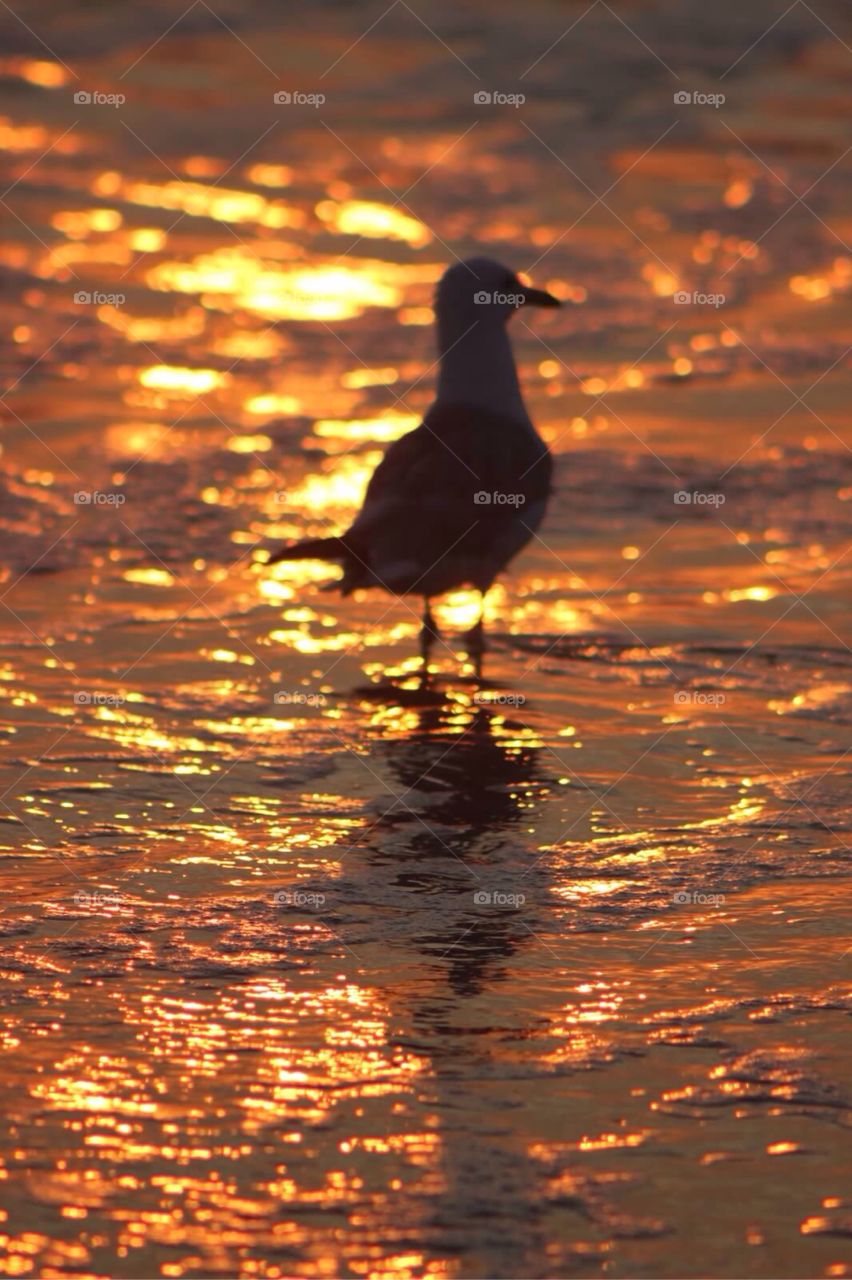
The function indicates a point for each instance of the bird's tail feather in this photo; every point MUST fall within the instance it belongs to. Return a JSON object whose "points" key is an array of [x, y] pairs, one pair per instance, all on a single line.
{"points": [[311, 549]]}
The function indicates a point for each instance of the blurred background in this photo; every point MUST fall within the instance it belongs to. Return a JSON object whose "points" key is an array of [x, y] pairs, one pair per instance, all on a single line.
{"points": [[310, 970]]}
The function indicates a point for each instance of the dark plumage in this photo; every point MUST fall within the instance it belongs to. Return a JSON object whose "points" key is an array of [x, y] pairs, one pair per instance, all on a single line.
{"points": [[453, 502]]}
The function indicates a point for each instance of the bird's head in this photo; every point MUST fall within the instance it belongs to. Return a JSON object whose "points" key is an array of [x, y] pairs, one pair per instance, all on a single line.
{"points": [[481, 291]]}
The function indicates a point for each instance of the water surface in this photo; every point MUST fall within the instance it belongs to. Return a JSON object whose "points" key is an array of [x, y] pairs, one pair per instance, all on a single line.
{"points": [[316, 968]]}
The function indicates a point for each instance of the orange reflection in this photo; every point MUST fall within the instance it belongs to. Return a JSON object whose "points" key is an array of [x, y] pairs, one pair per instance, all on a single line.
{"points": [[323, 293], [376, 221], [181, 381]]}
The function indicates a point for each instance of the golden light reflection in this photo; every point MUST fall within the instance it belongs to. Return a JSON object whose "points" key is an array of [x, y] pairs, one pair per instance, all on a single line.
{"points": [[401, 1266], [389, 427], [227, 655], [663, 283], [460, 609], [416, 316], [357, 378], [249, 344], [591, 889], [256, 727], [149, 329], [272, 589], [304, 641], [147, 239], [47, 75], [250, 444], [79, 223], [180, 380], [234, 277], [87, 1095], [270, 175], [821, 696], [21, 137], [149, 577], [530, 613], [220, 203], [836, 279], [341, 486], [736, 594], [373, 220], [745, 810], [266, 405], [738, 193], [55, 262], [614, 1141]]}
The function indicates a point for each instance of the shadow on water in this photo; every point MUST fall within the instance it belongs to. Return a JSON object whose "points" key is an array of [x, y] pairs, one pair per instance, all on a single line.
{"points": [[443, 860], [450, 841]]}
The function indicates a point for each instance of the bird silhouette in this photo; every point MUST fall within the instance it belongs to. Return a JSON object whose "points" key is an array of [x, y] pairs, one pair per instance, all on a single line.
{"points": [[453, 501]]}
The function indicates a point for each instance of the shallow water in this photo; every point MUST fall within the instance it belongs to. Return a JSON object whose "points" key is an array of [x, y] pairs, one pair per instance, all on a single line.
{"points": [[316, 968]]}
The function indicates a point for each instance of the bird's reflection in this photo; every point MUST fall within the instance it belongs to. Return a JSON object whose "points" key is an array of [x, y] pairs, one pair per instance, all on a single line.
{"points": [[470, 774], [448, 842], [445, 858], [432, 906]]}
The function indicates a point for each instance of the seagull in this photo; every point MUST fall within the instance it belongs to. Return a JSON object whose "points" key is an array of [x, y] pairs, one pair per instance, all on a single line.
{"points": [[454, 500]]}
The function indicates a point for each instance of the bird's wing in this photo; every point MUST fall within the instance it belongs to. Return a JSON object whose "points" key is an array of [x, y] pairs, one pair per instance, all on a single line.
{"points": [[465, 482]]}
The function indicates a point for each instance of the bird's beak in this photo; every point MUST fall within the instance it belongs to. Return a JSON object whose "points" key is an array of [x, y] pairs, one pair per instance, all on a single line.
{"points": [[539, 298]]}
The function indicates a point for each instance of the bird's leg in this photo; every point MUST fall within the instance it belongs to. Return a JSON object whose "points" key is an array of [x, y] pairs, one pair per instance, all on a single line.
{"points": [[429, 632]]}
